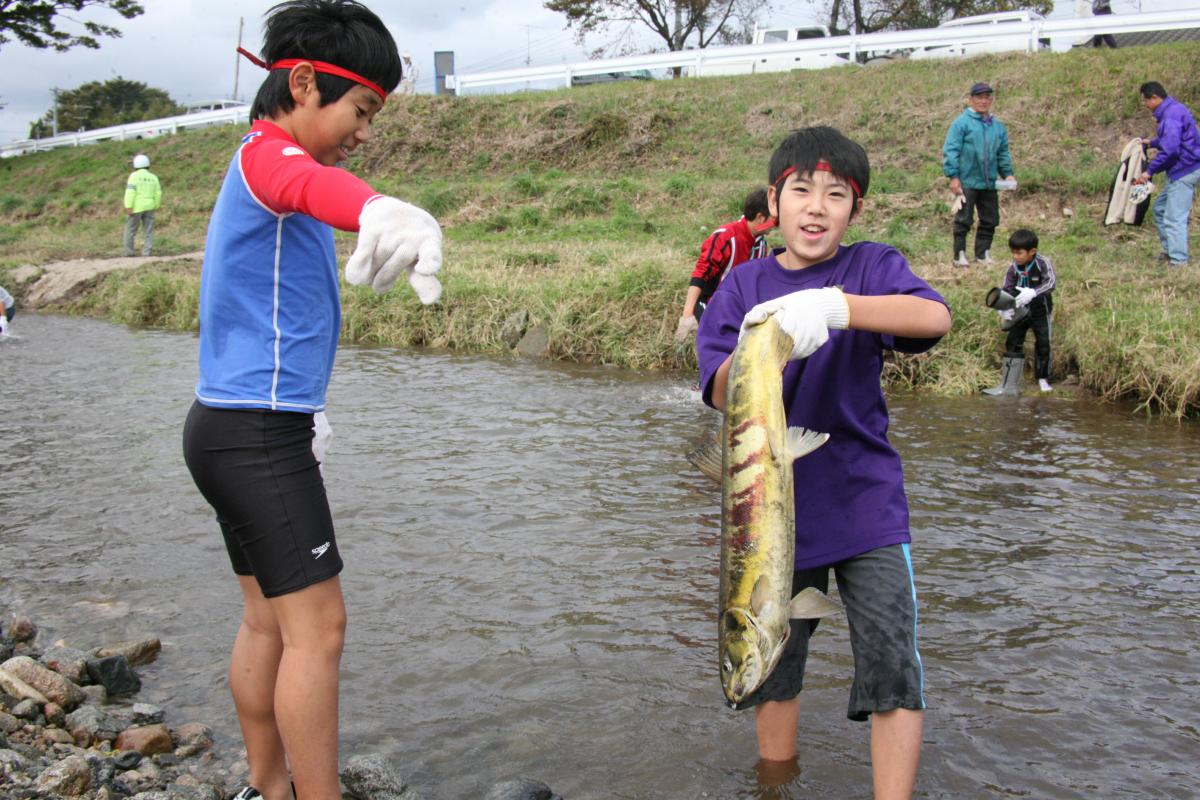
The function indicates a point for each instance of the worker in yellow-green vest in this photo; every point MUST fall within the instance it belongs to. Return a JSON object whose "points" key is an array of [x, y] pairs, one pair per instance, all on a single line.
{"points": [[143, 196]]}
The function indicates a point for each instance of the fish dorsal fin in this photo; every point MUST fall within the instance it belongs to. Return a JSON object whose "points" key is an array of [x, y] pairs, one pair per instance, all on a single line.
{"points": [[760, 595], [801, 442], [811, 603]]}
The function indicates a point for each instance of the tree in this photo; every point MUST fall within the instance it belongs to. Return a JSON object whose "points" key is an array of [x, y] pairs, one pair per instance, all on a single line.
{"points": [[868, 16], [679, 23], [35, 23], [98, 105]]}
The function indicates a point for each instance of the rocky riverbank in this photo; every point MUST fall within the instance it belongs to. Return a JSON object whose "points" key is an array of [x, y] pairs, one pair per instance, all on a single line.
{"points": [[70, 727]]}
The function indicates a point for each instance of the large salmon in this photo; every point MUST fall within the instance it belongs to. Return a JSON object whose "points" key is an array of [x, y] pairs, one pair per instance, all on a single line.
{"points": [[758, 518]]}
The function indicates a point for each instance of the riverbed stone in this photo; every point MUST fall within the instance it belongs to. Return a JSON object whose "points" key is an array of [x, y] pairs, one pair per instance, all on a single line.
{"points": [[20, 690], [90, 724], [192, 738], [114, 674], [536, 342], [146, 714], [514, 328], [521, 789], [71, 777], [136, 652], [9, 723], [372, 777], [66, 661], [26, 709], [54, 687], [146, 739], [94, 695], [57, 736], [21, 629]]}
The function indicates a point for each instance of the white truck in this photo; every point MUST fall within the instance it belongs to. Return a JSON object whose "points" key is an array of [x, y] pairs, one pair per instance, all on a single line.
{"points": [[777, 62]]}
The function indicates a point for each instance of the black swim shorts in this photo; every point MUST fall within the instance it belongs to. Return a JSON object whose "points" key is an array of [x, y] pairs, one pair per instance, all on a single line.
{"points": [[878, 593], [257, 470]]}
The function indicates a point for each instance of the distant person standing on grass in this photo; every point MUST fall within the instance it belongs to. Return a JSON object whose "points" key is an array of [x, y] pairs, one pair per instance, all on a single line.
{"points": [[1178, 145], [1101, 8], [409, 71], [7, 309], [143, 196], [974, 154]]}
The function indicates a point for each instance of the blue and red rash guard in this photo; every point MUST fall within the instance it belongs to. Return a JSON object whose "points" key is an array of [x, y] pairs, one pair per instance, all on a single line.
{"points": [[270, 309]]}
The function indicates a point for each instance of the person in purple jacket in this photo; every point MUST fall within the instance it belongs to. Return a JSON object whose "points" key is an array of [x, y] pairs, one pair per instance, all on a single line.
{"points": [[1178, 145], [844, 306]]}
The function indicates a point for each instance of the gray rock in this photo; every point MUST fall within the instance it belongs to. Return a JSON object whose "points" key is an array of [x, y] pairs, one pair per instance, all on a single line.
{"points": [[146, 714], [514, 328], [9, 723], [182, 791], [66, 661], [54, 687], [14, 687], [26, 709], [521, 789], [94, 695], [12, 762], [127, 759], [114, 674], [137, 652], [371, 777], [71, 777], [535, 343], [89, 724]]}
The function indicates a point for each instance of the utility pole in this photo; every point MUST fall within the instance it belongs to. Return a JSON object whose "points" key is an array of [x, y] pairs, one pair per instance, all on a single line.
{"points": [[237, 59], [54, 114]]}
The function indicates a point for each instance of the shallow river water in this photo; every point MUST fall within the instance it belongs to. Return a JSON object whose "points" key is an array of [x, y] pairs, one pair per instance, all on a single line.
{"points": [[532, 574]]}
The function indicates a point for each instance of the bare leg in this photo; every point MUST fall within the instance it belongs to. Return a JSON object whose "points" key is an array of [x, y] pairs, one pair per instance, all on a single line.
{"points": [[312, 624], [895, 752], [777, 723], [252, 677]]}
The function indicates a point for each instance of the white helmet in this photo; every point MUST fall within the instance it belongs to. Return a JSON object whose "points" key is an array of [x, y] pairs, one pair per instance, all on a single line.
{"points": [[141, 161]]}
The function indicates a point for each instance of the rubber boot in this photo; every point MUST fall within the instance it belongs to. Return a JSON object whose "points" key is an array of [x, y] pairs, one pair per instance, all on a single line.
{"points": [[1011, 370]]}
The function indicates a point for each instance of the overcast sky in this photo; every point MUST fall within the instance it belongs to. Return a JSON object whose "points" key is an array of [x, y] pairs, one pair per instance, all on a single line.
{"points": [[186, 47]]}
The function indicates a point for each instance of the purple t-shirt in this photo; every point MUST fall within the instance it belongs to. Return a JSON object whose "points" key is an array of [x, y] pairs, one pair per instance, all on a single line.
{"points": [[850, 492]]}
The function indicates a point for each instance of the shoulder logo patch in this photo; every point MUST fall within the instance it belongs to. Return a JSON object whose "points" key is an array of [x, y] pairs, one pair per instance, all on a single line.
{"points": [[293, 151]]}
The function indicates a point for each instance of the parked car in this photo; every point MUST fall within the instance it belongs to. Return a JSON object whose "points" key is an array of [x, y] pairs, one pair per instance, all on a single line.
{"points": [[782, 63], [609, 77], [978, 36]]}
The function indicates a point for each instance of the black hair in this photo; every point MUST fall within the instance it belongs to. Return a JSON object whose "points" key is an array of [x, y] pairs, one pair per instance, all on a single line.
{"points": [[1153, 89], [340, 32], [803, 149], [756, 204], [1023, 239]]}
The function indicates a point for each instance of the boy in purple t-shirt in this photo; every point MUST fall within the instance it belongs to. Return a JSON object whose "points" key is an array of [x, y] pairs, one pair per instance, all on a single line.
{"points": [[843, 306]]}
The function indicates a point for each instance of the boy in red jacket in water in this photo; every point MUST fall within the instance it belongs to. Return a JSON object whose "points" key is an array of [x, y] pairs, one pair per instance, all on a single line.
{"points": [[728, 246]]}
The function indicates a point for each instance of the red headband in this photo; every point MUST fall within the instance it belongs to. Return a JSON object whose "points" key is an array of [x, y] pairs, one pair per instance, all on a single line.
{"points": [[319, 66], [822, 166]]}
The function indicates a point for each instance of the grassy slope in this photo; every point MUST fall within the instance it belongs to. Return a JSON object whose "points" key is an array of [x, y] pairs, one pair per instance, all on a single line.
{"points": [[585, 208]]}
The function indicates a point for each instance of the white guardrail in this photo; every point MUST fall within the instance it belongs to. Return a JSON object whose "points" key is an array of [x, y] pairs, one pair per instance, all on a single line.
{"points": [[147, 129], [1001, 36], [1016, 35]]}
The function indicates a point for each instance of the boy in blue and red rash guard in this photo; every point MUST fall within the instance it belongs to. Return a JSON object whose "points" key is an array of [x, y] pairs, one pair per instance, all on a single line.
{"points": [[270, 313], [843, 306]]}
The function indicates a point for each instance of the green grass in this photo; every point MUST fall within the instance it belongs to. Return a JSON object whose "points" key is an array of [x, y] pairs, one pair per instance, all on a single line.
{"points": [[585, 209]]}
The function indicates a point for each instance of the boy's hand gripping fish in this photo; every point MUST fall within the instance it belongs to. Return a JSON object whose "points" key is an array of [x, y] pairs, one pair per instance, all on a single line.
{"points": [[758, 519]]}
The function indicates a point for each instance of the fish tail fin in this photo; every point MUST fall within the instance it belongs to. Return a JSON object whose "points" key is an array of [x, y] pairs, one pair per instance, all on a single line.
{"points": [[801, 442], [707, 458], [812, 603]]}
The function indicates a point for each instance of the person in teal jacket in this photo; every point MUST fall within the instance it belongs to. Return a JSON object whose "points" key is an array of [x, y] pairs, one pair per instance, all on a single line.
{"points": [[143, 196], [974, 155]]}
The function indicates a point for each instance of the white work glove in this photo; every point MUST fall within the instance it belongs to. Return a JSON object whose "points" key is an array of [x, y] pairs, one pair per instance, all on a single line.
{"points": [[1007, 314], [3, 323], [957, 203], [322, 437], [806, 316], [394, 237], [686, 327], [1025, 296]]}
